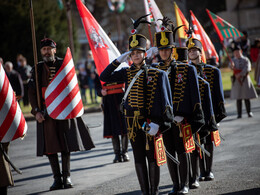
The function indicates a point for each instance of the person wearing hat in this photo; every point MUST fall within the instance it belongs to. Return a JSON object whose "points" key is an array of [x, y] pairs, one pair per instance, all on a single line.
{"points": [[55, 136], [213, 76], [147, 107], [186, 104], [242, 86]]}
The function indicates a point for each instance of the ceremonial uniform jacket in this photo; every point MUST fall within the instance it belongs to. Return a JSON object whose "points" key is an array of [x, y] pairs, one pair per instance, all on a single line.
{"points": [[55, 135], [185, 93], [245, 88], [207, 107], [114, 121], [213, 76], [157, 105]]}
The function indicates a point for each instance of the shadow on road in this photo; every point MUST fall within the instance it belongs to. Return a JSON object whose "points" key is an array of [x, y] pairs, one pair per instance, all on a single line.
{"points": [[254, 191]]}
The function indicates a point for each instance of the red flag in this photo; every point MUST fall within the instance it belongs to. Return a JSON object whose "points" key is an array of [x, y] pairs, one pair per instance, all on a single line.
{"points": [[62, 96], [104, 51], [203, 37], [222, 27], [12, 122]]}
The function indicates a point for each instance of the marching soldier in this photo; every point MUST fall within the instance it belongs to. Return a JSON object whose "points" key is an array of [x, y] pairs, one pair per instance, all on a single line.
{"points": [[55, 136], [186, 107], [213, 76], [147, 100], [114, 121]]}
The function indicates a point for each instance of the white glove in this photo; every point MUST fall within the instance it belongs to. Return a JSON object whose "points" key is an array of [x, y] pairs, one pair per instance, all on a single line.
{"points": [[178, 119], [154, 129], [151, 52], [123, 57]]}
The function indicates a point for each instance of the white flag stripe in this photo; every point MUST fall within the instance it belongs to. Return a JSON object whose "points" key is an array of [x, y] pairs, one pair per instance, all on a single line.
{"points": [[6, 107], [60, 77], [62, 95], [70, 107], [10, 134], [2, 77]]}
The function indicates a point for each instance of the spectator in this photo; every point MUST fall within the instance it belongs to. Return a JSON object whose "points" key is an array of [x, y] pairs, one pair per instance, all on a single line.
{"points": [[18, 61], [254, 51], [242, 87], [83, 80], [90, 68], [14, 79], [245, 44], [25, 71]]}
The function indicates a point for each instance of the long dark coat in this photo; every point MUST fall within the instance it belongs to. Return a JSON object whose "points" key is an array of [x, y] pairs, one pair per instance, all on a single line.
{"points": [[6, 178], [114, 121], [56, 135]]}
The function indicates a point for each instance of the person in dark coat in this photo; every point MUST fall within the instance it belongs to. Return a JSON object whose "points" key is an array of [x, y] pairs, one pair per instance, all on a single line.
{"points": [[186, 105], [114, 121], [55, 136], [15, 80], [25, 71], [148, 104], [83, 80], [6, 178], [213, 76]]}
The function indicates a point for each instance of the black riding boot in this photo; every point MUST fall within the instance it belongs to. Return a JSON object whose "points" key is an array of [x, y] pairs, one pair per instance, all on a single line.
{"points": [[173, 170], [184, 173], [65, 156], [248, 108], [209, 162], [239, 108], [202, 163], [116, 147], [142, 175], [55, 167], [194, 178], [154, 177], [124, 140], [3, 190]]}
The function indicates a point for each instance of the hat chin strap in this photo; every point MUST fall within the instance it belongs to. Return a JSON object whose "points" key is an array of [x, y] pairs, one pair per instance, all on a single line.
{"points": [[169, 58]]}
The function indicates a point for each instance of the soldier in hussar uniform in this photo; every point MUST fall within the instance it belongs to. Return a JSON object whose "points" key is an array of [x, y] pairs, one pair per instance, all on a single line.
{"points": [[148, 101], [55, 136], [186, 107], [213, 76]]}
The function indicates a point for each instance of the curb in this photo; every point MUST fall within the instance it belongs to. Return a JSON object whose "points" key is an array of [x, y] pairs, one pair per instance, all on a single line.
{"points": [[30, 117]]}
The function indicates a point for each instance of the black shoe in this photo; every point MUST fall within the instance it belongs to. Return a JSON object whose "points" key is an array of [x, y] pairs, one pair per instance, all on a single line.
{"points": [[67, 183], [57, 184], [117, 158], [184, 190], [174, 190], [250, 114], [202, 177], [209, 177], [239, 116], [195, 185], [125, 157]]}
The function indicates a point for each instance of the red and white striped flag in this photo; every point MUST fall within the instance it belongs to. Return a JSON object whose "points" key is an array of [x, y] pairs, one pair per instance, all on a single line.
{"points": [[203, 37], [62, 96], [103, 49], [156, 13], [12, 122]]}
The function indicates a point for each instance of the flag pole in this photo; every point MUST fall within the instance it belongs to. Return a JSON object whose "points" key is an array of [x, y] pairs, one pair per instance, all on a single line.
{"points": [[34, 53], [150, 34]]}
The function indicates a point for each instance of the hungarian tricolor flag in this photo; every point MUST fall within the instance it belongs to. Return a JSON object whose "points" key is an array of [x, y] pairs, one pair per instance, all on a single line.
{"points": [[203, 37], [223, 28], [12, 122], [62, 96], [103, 49], [151, 7]]}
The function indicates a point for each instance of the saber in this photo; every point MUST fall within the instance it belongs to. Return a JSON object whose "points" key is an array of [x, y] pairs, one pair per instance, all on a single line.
{"points": [[202, 148], [171, 157], [9, 161]]}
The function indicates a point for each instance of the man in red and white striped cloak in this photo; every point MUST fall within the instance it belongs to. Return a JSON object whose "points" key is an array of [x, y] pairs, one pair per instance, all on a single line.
{"points": [[56, 133]]}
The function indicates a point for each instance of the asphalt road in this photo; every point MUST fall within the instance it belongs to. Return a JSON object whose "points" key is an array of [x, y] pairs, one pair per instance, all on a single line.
{"points": [[236, 162]]}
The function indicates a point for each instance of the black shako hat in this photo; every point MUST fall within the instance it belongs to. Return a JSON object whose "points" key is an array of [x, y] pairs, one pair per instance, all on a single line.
{"points": [[137, 41], [164, 39], [48, 42], [180, 54], [194, 43]]}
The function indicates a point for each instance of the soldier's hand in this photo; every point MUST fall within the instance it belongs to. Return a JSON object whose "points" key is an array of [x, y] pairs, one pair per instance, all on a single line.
{"points": [[104, 92], [152, 52], [123, 57], [154, 129], [39, 117], [178, 119]]}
